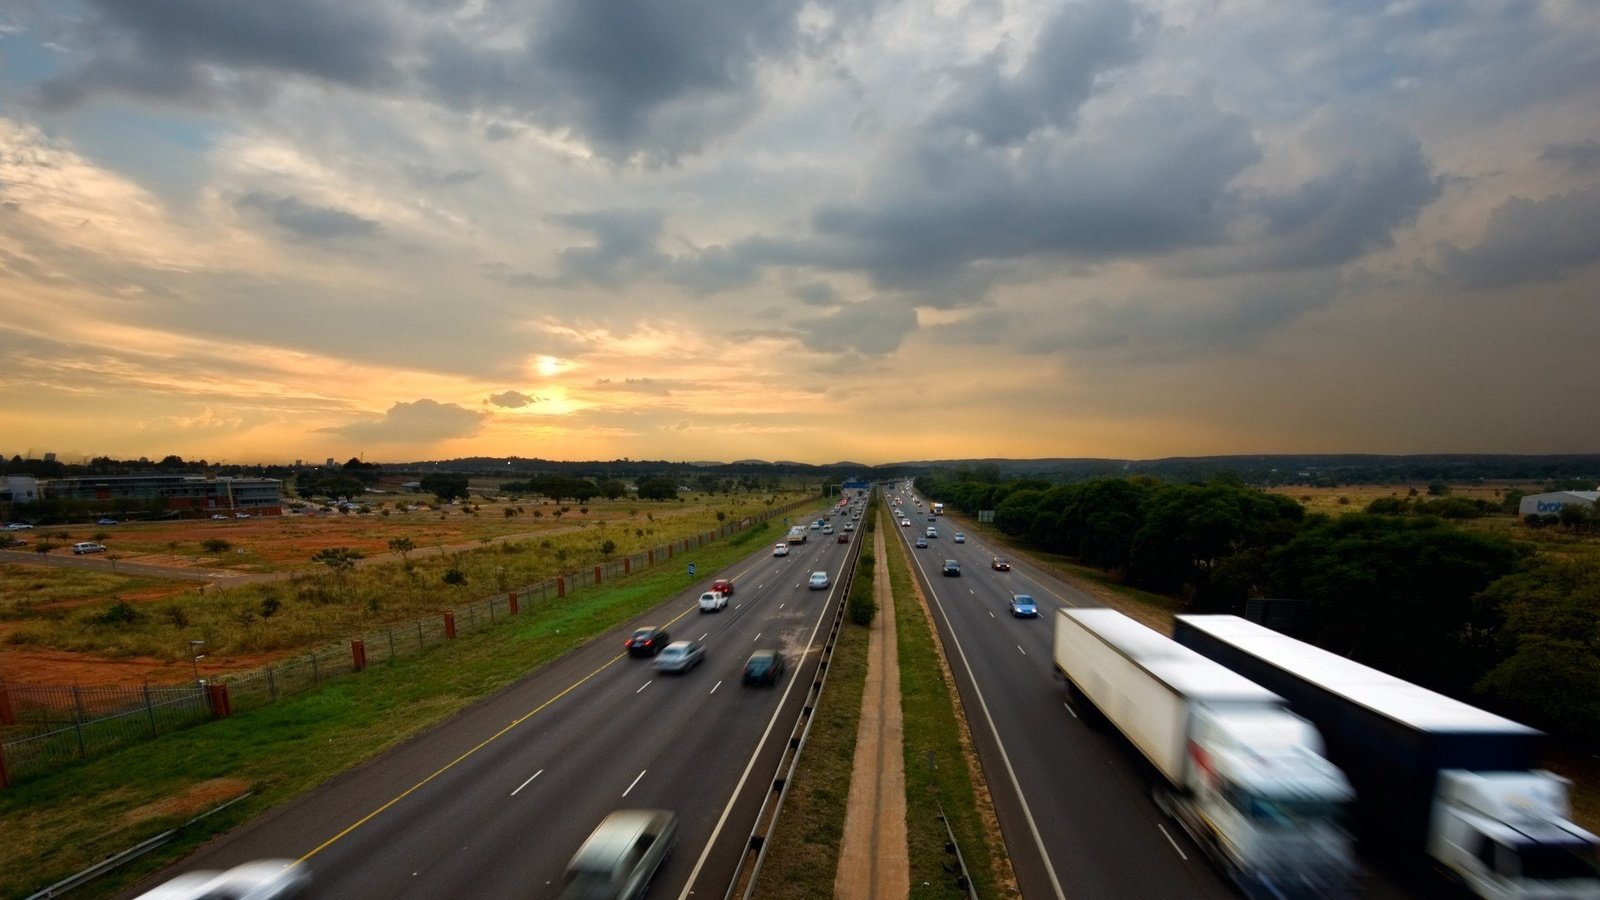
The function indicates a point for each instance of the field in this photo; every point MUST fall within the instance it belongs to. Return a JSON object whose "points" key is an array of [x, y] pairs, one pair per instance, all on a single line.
{"points": [[65, 625], [1355, 497]]}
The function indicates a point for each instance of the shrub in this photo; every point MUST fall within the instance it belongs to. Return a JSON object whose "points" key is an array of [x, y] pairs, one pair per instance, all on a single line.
{"points": [[455, 576], [120, 613]]}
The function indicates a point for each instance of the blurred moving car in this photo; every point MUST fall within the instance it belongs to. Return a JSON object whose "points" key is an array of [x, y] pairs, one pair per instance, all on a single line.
{"points": [[723, 586], [1000, 564], [620, 857], [647, 640], [819, 581], [680, 656], [266, 879], [844, 538], [780, 549], [713, 601], [1023, 607], [764, 667], [960, 538], [106, 522], [904, 522], [951, 567]]}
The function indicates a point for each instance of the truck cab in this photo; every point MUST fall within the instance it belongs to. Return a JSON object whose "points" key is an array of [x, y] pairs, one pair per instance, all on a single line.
{"points": [[1509, 835]]}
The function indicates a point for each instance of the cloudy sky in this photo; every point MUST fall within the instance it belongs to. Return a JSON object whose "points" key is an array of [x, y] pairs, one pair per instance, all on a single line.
{"points": [[797, 229]]}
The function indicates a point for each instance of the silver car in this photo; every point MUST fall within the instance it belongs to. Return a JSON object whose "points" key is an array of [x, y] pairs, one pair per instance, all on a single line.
{"points": [[621, 856], [680, 656], [267, 879]]}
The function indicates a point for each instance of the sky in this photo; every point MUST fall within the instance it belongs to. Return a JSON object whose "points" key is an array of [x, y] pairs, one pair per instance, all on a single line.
{"points": [[810, 230]]}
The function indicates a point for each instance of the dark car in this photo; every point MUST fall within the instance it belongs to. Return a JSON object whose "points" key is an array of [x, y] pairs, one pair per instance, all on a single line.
{"points": [[1000, 564], [844, 538], [951, 567], [723, 586], [647, 640], [764, 667]]}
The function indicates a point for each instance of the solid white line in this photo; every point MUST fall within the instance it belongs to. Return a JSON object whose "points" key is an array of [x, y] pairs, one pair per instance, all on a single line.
{"points": [[635, 781], [525, 783], [1181, 854], [714, 688], [645, 685]]}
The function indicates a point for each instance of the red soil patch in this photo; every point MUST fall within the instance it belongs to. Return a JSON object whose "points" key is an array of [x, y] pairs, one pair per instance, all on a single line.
{"points": [[192, 801], [31, 666]]}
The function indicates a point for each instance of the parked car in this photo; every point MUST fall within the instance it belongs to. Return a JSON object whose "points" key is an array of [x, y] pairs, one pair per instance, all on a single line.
{"points": [[713, 601], [1023, 607], [241, 515], [819, 581], [960, 538], [764, 667], [82, 547], [723, 586], [18, 526], [106, 522], [266, 879], [620, 858], [951, 567], [647, 640], [680, 656], [1000, 564], [922, 543], [780, 549]]}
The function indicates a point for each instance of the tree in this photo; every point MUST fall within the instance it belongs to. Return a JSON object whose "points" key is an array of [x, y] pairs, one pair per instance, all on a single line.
{"points": [[445, 485], [339, 560], [607, 548], [657, 487], [215, 546], [611, 489], [1550, 646]]}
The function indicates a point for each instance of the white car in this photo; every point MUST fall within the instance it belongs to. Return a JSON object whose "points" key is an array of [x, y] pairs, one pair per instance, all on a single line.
{"points": [[819, 581], [218, 516], [849, 526], [932, 531], [827, 529], [713, 601], [905, 523], [83, 547], [18, 526], [267, 879], [680, 656], [780, 549], [960, 538]]}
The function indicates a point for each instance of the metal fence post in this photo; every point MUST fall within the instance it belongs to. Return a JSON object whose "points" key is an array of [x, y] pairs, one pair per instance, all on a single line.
{"points": [[77, 724], [272, 685], [316, 670], [150, 709]]}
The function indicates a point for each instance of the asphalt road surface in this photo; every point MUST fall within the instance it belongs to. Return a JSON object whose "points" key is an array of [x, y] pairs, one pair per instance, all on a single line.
{"points": [[494, 801]]}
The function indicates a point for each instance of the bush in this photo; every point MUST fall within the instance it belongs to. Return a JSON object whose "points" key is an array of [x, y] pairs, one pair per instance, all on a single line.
{"points": [[455, 576], [120, 613], [861, 608]]}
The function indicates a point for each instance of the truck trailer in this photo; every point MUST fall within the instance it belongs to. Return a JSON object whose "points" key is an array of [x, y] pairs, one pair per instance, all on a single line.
{"points": [[1438, 782], [1243, 775], [797, 534]]}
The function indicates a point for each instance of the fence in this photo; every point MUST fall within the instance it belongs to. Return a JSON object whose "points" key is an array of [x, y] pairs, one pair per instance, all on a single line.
{"points": [[45, 726]]}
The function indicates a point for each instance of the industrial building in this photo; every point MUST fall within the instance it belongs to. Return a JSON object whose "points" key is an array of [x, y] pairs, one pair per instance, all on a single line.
{"points": [[191, 493], [1550, 504]]}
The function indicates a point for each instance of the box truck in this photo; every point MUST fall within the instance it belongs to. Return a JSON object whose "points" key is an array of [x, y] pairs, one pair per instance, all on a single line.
{"points": [[1438, 782], [797, 534], [1243, 775]]}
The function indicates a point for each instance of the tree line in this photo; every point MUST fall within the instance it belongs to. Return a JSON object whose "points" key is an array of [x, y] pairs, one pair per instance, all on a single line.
{"points": [[1470, 614]]}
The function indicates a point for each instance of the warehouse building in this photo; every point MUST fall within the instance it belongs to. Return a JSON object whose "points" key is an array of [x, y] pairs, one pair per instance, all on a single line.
{"points": [[1550, 504], [189, 493]]}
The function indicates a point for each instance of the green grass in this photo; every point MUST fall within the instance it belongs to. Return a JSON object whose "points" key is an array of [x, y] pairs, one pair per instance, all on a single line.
{"points": [[931, 727], [25, 588], [56, 824]]}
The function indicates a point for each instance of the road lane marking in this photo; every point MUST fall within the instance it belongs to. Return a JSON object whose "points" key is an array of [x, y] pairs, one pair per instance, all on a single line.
{"points": [[641, 775], [704, 636], [991, 613], [645, 685], [526, 783], [1022, 651], [1070, 709], [757, 637], [714, 688], [1181, 855]]}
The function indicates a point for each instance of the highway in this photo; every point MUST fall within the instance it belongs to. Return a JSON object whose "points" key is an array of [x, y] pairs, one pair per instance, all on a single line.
{"points": [[494, 801], [1074, 803]]}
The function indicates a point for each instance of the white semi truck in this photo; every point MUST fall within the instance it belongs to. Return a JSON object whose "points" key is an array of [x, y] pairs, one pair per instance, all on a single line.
{"points": [[1243, 775], [1437, 781]]}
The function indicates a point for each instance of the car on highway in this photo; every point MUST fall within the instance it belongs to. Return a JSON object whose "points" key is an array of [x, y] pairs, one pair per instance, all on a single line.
{"points": [[723, 586], [1000, 564], [816, 525], [960, 538], [827, 529], [844, 538], [680, 656], [849, 526], [265, 879], [713, 601], [951, 567], [620, 858], [818, 582], [933, 518], [764, 667], [780, 549], [83, 547], [932, 532], [922, 543], [647, 640], [905, 523], [1023, 607]]}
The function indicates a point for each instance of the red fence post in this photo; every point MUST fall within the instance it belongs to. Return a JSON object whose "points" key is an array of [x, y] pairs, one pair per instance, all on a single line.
{"points": [[627, 565], [358, 654], [561, 585], [449, 626], [597, 574], [669, 551], [651, 559], [7, 717], [217, 692], [511, 601], [5, 778]]}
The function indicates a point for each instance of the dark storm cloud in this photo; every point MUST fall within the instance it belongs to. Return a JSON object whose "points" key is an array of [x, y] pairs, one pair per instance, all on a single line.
{"points": [[1531, 240], [1578, 156], [1072, 51], [816, 293], [304, 220], [870, 328], [164, 48], [624, 248], [422, 420]]}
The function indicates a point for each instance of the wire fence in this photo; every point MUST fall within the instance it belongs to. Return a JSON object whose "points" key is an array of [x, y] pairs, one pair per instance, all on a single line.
{"points": [[44, 727]]}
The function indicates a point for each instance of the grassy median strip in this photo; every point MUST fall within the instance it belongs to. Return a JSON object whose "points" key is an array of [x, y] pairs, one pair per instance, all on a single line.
{"points": [[936, 764], [54, 825]]}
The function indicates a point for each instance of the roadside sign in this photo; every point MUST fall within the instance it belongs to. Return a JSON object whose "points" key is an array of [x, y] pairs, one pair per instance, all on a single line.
{"points": [[691, 570]]}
